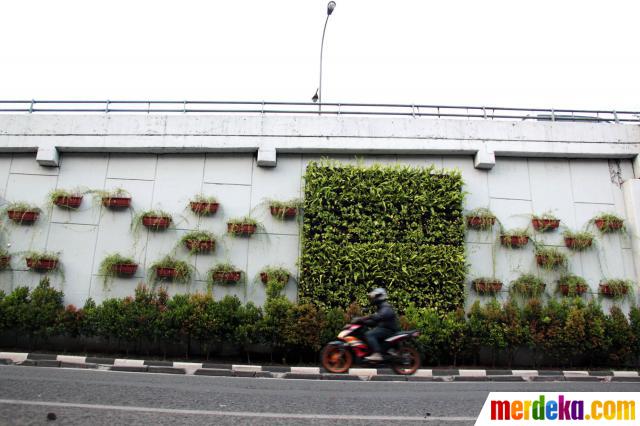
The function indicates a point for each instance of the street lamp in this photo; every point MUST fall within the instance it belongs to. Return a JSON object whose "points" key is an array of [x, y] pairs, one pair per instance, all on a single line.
{"points": [[318, 96]]}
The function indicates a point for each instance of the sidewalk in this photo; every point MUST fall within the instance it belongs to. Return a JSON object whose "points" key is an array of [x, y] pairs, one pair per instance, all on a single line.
{"points": [[312, 373]]}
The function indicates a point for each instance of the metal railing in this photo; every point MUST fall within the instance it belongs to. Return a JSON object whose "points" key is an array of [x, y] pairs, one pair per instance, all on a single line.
{"points": [[308, 108]]}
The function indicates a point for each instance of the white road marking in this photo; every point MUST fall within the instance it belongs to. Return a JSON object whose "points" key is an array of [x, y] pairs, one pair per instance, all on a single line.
{"points": [[234, 413]]}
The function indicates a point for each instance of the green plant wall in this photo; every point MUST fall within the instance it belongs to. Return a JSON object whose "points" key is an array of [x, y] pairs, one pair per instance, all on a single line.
{"points": [[392, 226]]}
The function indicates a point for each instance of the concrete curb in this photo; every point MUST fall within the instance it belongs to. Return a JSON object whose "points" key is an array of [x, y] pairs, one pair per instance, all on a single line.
{"points": [[312, 373]]}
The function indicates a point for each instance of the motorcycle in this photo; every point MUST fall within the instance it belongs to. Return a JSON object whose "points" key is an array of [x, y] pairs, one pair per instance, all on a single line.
{"points": [[338, 356]]}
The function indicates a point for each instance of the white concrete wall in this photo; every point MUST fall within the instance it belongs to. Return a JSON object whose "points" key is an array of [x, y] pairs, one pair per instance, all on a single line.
{"points": [[165, 160]]}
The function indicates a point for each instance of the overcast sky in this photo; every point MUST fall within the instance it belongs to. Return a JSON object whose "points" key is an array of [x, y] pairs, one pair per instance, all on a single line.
{"points": [[560, 53]]}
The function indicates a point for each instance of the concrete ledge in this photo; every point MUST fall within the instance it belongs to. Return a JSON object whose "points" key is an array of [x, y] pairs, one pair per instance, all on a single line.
{"points": [[575, 373], [363, 372], [189, 367], [498, 372], [276, 368], [301, 376], [4, 361], [246, 368], [583, 379], [615, 373], [550, 373], [71, 359], [506, 378], [601, 373], [216, 365], [625, 379], [129, 368], [97, 360], [524, 372], [470, 379], [548, 378], [77, 365], [213, 372], [245, 373], [15, 357], [165, 370], [47, 363], [423, 373], [421, 379], [305, 370], [122, 362], [263, 374], [159, 363], [445, 372], [388, 378], [36, 356], [339, 377], [472, 373]]}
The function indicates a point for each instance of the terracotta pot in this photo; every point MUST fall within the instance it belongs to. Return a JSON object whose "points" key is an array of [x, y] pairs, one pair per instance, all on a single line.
{"points": [[200, 245], [287, 212], [4, 261], [482, 287], [241, 228], [156, 222], [607, 291], [514, 241], [27, 216], [477, 222], [602, 224], [227, 277], [578, 289], [543, 259], [116, 202], [42, 264], [264, 277], [571, 242], [70, 202], [125, 269], [545, 224], [203, 208], [166, 272]]}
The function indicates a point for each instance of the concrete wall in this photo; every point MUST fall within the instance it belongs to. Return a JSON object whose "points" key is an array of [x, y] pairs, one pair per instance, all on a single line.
{"points": [[164, 161]]}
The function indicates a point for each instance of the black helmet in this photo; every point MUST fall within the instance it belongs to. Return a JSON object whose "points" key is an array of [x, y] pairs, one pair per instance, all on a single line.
{"points": [[377, 295]]}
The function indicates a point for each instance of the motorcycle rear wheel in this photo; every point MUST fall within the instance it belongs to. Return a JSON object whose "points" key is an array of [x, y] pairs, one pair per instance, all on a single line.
{"points": [[336, 359], [407, 361]]}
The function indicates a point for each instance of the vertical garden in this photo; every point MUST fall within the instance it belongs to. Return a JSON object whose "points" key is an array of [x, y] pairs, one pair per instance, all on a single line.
{"points": [[392, 226]]}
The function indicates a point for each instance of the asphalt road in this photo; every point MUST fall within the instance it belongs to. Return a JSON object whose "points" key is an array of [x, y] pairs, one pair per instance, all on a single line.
{"points": [[79, 397]]}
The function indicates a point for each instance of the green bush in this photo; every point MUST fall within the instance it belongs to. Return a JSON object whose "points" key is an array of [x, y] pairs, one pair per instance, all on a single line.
{"points": [[620, 333], [397, 227]]}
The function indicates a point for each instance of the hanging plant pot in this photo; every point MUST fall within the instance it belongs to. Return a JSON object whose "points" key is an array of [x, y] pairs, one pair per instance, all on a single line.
{"points": [[23, 216], [514, 241], [578, 290], [203, 208], [156, 222], [116, 202], [480, 222], [280, 278], [226, 277], [166, 273], [549, 262], [42, 264], [487, 285], [125, 269], [68, 201], [614, 288], [578, 243], [241, 228], [283, 212], [609, 225], [4, 261], [545, 225], [200, 246]]}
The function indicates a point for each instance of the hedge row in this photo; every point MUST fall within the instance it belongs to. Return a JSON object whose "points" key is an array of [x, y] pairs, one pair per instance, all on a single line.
{"points": [[391, 226], [564, 333]]}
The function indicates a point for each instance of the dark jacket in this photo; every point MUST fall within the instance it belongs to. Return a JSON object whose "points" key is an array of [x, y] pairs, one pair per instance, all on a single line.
{"points": [[385, 317]]}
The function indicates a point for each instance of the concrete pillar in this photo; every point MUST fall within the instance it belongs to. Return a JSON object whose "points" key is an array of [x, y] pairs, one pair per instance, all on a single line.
{"points": [[631, 194]]}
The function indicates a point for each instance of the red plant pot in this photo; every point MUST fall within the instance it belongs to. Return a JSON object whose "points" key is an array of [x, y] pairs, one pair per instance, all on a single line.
{"points": [[514, 241], [203, 208], [484, 287], [601, 224], [116, 202], [156, 222], [42, 264], [125, 269], [606, 290], [579, 289], [169, 273], [477, 222], [200, 245], [228, 277], [4, 261], [545, 224], [70, 202], [264, 277], [542, 259], [241, 228], [287, 212], [570, 242], [27, 216]]}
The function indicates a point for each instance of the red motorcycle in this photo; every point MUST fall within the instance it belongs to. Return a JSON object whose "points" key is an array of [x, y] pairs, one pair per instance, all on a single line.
{"points": [[338, 356]]}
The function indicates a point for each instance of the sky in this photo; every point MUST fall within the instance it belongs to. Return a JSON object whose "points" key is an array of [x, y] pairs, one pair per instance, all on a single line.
{"points": [[542, 54]]}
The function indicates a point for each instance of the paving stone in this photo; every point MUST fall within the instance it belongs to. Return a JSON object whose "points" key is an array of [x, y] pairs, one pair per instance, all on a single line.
{"points": [[130, 368], [213, 372], [301, 376], [548, 378], [77, 365], [388, 378], [166, 370], [470, 378], [625, 379], [47, 363], [339, 377], [506, 378]]}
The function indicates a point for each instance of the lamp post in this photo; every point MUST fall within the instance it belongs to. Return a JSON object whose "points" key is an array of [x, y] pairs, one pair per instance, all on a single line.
{"points": [[318, 96]]}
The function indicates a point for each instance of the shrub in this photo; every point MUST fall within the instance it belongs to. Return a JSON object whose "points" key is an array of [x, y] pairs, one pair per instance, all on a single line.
{"points": [[44, 310], [634, 323], [400, 227], [619, 331]]}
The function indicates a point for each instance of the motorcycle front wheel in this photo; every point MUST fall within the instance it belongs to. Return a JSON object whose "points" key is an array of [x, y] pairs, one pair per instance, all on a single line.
{"points": [[336, 359], [407, 361]]}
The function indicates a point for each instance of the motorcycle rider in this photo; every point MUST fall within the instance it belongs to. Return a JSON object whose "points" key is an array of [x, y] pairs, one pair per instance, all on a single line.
{"points": [[385, 321]]}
